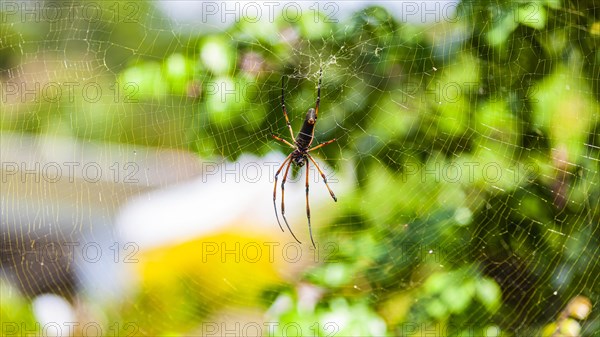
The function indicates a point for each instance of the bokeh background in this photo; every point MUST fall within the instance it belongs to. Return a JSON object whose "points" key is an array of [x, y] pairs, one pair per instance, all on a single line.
{"points": [[138, 168]]}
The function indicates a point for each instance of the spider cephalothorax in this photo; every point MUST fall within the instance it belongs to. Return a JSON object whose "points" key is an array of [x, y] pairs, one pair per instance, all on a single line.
{"points": [[300, 156]]}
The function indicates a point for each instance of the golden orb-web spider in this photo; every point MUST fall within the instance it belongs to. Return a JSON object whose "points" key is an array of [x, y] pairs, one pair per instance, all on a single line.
{"points": [[300, 156]]}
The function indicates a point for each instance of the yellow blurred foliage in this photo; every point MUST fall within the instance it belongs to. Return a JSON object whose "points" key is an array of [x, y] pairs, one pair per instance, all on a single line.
{"points": [[233, 265]]}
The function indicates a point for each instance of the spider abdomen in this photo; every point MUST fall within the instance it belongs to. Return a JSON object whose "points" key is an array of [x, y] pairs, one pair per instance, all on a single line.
{"points": [[306, 133]]}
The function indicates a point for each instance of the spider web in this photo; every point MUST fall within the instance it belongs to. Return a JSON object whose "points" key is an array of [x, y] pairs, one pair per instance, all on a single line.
{"points": [[467, 157]]}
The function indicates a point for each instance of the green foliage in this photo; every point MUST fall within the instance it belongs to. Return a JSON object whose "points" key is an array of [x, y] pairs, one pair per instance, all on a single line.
{"points": [[14, 309], [332, 317]]}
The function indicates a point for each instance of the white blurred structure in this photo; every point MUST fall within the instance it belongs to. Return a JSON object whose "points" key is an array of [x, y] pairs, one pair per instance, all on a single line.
{"points": [[205, 16], [59, 199], [225, 193]]}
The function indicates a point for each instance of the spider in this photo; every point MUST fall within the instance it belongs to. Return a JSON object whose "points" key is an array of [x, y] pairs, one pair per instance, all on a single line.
{"points": [[300, 156]]}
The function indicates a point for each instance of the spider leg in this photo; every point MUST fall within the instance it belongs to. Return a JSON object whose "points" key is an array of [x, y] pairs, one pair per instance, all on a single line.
{"points": [[308, 207], [287, 169], [322, 144], [287, 120], [316, 106], [318, 93], [284, 141], [323, 176], [275, 188]]}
